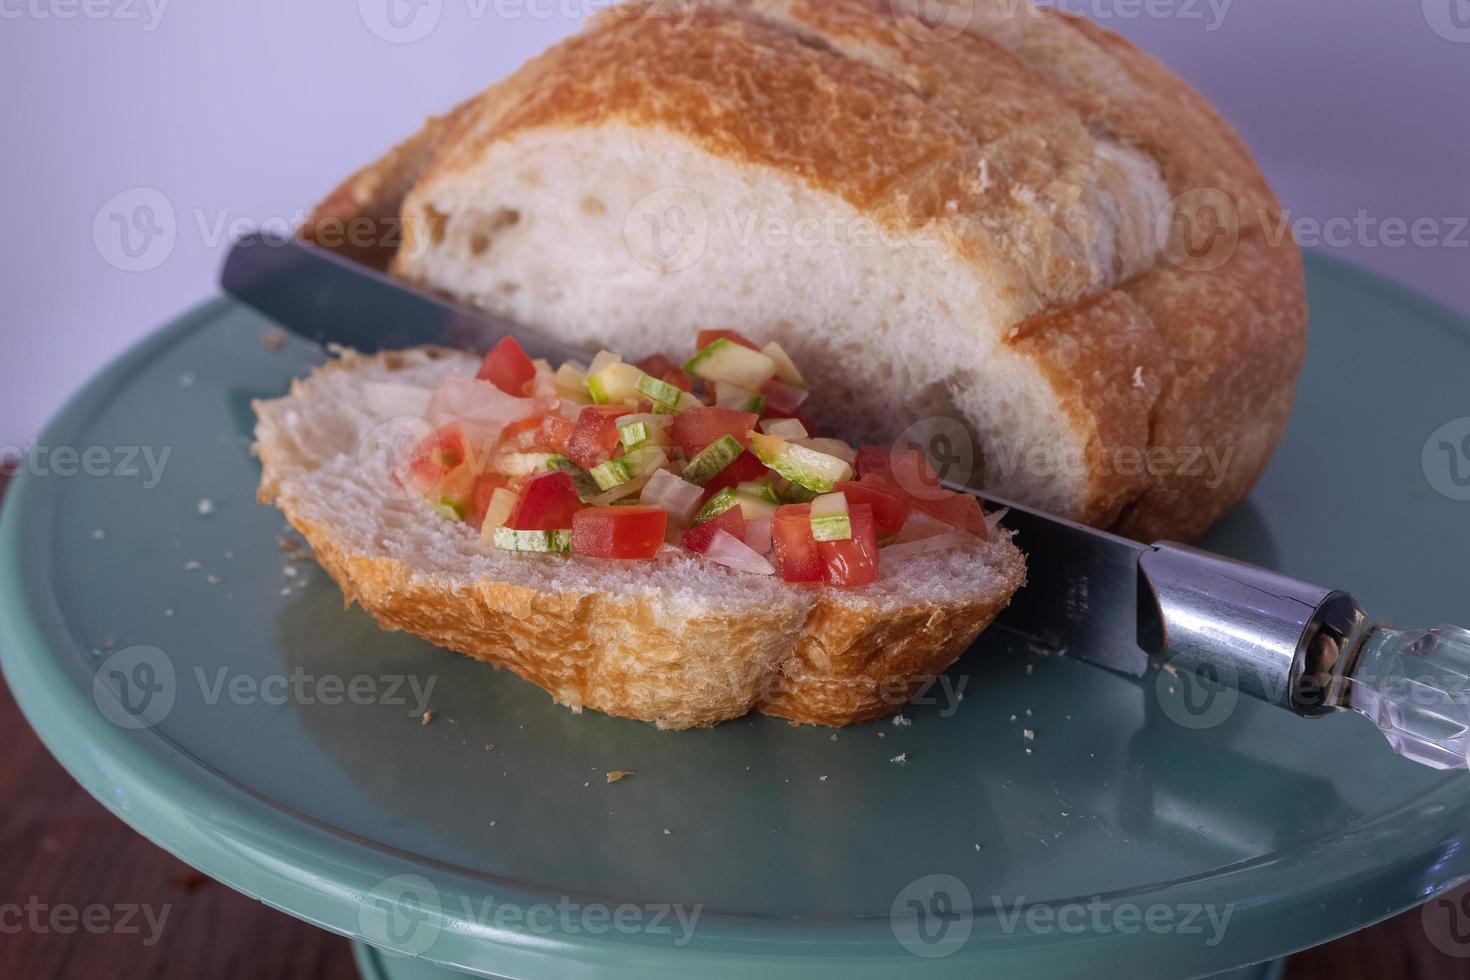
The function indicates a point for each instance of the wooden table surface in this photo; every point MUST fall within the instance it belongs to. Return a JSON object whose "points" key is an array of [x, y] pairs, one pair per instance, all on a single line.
{"points": [[83, 896]]}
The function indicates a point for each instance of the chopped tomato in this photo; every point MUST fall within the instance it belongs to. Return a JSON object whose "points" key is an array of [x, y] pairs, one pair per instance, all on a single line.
{"points": [[439, 453], [696, 428], [707, 337], [548, 503], [745, 467], [665, 370], [485, 486], [507, 367], [555, 432], [627, 531], [698, 537], [852, 562], [521, 434], [794, 550], [891, 507], [594, 438], [908, 472]]}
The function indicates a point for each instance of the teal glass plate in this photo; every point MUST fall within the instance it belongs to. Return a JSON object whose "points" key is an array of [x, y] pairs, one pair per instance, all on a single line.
{"points": [[214, 694]]}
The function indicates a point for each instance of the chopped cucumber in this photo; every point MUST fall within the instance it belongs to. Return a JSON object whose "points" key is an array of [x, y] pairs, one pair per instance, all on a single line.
{"points": [[738, 397], [447, 507], [614, 384], [633, 435], [571, 383], [582, 481], [829, 518], [554, 542], [761, 490], [787, 429], [660, 392], [717, 505], [616, 472], [755, 508], [809, 468], [785, 367], [712, 459], [602, 360], [725, 360], [832, 447]]}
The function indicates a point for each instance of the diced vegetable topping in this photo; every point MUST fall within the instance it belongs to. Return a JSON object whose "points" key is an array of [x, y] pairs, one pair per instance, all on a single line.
{"points": [[507, 367], [829, 518], [712, 459], [552, 542], [616, 460], [619, 532]]}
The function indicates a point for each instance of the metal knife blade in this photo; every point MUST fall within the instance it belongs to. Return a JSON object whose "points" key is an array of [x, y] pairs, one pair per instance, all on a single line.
{"points": [[1085, 594], [314, 292]]}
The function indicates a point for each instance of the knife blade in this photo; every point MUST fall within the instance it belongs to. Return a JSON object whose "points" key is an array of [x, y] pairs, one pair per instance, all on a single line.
{"points": [[1093, 595]]}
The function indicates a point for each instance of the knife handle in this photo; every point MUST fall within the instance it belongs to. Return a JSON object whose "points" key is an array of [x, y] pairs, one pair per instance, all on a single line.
{"points": [[1312, 650]]}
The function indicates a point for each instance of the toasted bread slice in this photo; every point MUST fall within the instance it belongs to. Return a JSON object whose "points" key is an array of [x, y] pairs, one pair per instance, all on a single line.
{"points": [[676, 640]]}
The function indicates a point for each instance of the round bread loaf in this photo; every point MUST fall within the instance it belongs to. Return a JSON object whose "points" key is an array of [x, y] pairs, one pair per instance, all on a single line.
{"points": [[991, 222]]}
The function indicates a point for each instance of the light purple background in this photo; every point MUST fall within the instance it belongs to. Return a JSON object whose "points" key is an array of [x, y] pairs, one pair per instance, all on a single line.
{"points": [[239, 111]]}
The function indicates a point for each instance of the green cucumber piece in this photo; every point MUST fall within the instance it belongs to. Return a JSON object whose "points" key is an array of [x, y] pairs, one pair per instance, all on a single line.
{"points": [[633, 435], [582, 481], [761, 490], [613, 473], [830, 521], [712, 459], [547, 542], [614, 384], [725, 360], [755, 508], [815, 471], [660, 392], [785, 368], [717, 505], [524, 464]]}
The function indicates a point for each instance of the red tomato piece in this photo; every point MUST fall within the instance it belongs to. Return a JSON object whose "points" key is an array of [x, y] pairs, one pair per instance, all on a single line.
{"points": [[745, 467], [696, 428], [959, 510], [436, 455], [659, 366], [707, 337], [852, 562], [485, 486], [521, 434], [698, 537], [507, 367], [781, 399], [594, 438], [908, 472], [627, 531], [793, 549], [548, 503], [555, 432], [891, 507]]}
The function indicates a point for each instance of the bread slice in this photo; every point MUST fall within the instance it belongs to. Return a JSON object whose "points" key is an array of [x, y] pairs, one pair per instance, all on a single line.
{"points": [[985, 225], [677, 640]]}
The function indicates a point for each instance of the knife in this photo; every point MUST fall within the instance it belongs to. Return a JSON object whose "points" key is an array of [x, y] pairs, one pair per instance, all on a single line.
{"points": [[1114, 602]]}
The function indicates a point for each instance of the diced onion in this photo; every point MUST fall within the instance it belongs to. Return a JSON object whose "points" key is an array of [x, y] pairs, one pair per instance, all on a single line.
{"points": [[480, 408], [922, 546], [919, 526], [785, 428], [667, 491], [621, 491], [728, 550], [758, 535]]}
